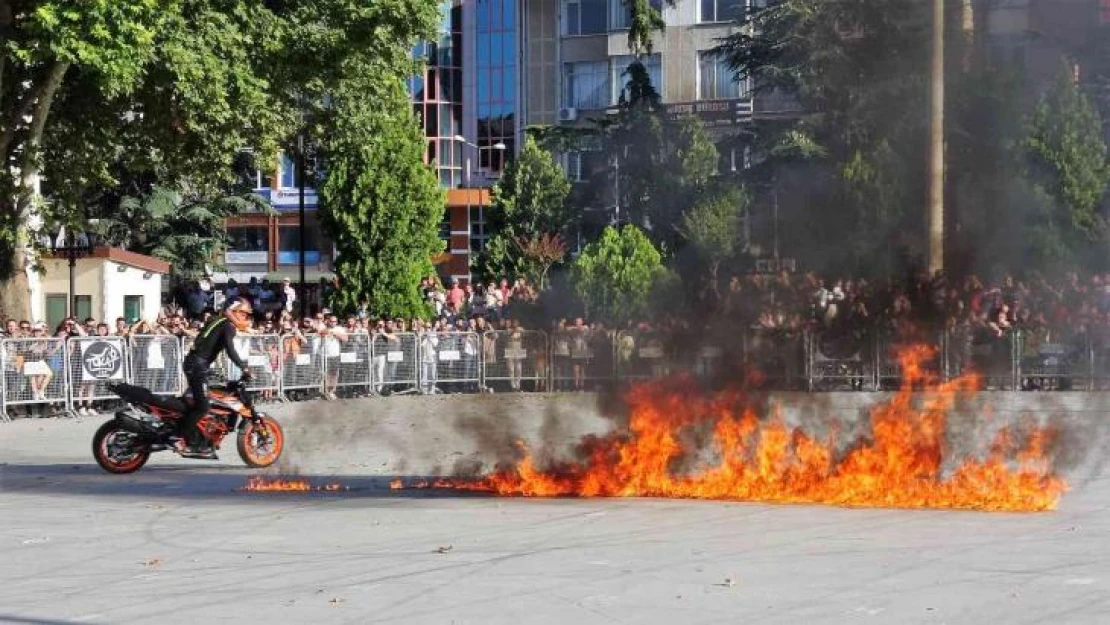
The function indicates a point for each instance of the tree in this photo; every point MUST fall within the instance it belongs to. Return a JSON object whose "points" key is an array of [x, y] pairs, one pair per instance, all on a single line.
{"points": [[528, 202], [379, 202], [168, 92], [183, 229], [615, 275], [1069, 172], [850, 169], [713, 227], [538, 254]]}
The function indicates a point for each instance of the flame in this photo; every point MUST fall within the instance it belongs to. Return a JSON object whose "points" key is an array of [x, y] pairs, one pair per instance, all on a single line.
{"points": [[262, 484], [901, 464]]}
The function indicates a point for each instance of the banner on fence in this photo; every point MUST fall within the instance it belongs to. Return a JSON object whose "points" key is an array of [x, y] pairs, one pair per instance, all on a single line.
{"points": [[102, 359]]}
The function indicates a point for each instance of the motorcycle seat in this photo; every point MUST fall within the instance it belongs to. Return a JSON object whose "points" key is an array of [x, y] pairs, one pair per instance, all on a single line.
{"points": [[140, 395]]}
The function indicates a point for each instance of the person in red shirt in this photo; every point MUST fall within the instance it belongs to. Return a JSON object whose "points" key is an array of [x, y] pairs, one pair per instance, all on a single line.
{"points": [[455, 297]]}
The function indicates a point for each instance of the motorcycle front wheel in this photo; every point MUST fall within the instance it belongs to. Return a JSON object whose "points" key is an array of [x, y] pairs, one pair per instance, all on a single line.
{"points": [[118, 450], [260, 447]]}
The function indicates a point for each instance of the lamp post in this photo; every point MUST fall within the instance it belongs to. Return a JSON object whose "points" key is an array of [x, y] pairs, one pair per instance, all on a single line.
{"points": [[500, 147], [71, 246]]}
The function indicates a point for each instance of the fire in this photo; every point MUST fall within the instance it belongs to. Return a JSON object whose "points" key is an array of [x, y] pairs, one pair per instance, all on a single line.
{"points": [[262, 484], [901, 464]]}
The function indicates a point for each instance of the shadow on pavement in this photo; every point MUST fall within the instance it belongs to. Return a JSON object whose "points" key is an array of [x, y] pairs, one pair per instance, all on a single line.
{"points": [[10, 619], [199, 482]]}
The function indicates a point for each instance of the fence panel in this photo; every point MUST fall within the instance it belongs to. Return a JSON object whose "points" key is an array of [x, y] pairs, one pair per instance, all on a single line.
{"points": [[449, 358], [302, 362], [642, 355], [1048, 362], [347, 363], [515, 356], [35, 372], [94, 362], [839, 360], [156, 362], [582, 359], [888, 368], [778, 355], [396, 366]]}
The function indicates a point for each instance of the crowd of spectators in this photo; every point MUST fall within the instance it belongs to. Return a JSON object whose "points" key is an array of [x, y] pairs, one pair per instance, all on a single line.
{"points": [[773, 307]]}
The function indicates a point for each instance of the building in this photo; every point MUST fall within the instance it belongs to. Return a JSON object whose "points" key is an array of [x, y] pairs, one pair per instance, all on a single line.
{"points": [[466, 101], [108, 284]]}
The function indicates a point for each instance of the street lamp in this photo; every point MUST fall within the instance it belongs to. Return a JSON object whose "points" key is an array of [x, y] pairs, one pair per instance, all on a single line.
{"points": [[71, 245], [500, 147]]}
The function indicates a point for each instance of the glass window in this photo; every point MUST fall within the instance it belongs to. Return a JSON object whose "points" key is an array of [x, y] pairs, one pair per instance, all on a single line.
{"points": [[722, 10], [288, 179], [248, 239], [478, 236], [586, 85], [289, 243], [652, 62], [82, 307], [133, 307], [585, 17], [716, 80]]}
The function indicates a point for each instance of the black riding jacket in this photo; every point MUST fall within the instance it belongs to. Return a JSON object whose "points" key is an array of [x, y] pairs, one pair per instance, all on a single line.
{"points": [[218, 335]]}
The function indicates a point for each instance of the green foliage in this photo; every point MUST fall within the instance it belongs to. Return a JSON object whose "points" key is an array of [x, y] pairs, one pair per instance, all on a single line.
{"points": [[379, 202], [863, 67], [616, 275], [713, 226], [1069, 173], [185, 231], [528, 201]]}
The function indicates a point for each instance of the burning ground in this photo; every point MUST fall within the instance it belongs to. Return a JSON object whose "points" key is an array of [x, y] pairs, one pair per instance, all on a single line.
{"points": [[683, 443]]}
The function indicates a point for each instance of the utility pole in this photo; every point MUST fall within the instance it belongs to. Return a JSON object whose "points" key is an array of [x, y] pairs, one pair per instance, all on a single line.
{"points": [[936, 144]]}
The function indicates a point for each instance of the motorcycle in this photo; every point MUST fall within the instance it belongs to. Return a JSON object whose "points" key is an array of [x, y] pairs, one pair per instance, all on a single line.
{"points": [[124, 444]]}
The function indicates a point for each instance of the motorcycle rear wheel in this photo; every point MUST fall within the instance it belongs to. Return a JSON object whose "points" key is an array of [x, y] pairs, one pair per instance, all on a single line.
{"points": [[261, 449], [117, 451]]}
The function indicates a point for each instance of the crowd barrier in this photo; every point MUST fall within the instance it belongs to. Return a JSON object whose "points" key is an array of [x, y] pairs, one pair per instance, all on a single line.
{"points": [[54, 374]]}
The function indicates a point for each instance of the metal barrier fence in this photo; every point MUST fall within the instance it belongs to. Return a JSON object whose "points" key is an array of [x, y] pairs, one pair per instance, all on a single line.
{"points": [[642, 355], [156, 363], [778, 355], [35, 372], [839, 361], [514, 357], [73, 374], [396, 366], [302, 362], [449, 358], [347, 363], [582, 359], [95, 362]]}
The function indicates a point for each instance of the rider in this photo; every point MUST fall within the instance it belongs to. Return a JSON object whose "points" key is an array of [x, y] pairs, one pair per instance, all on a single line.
{"points": [[217, 336]]}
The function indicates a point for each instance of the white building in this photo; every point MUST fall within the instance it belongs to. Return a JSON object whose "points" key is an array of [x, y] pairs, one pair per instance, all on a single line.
{"points": [[108, 284]]}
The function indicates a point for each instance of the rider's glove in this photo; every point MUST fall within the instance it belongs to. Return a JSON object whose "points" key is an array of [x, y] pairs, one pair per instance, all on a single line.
{"points": [[247, 375]]}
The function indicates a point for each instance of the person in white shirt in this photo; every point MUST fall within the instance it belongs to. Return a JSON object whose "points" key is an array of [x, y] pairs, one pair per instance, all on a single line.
{"points": [[290, 295]]}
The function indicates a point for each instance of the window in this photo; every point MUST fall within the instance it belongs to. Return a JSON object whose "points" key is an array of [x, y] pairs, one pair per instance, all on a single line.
{"points": [[55, 309], [652, 62], [82, 306], [579, 165], [289, 243], [584, 17], [248, 239], [586, 85], [288, 178], [478, 235], [716, 80], [620, 13], [133, 307], [721, 10]]}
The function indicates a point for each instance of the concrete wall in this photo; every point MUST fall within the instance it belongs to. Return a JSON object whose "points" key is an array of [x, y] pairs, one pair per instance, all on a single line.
{"points": [[461, 434]]}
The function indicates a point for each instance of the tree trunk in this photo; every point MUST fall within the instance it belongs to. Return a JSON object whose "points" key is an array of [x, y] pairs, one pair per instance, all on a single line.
{"points": [[15, 288]]}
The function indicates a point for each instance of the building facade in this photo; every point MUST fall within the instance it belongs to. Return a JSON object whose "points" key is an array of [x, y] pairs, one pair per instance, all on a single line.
{"points": [[467, 104]]}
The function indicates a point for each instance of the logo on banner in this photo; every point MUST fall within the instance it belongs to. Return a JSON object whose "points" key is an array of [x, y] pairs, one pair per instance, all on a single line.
{"points": [[101, 360]]}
